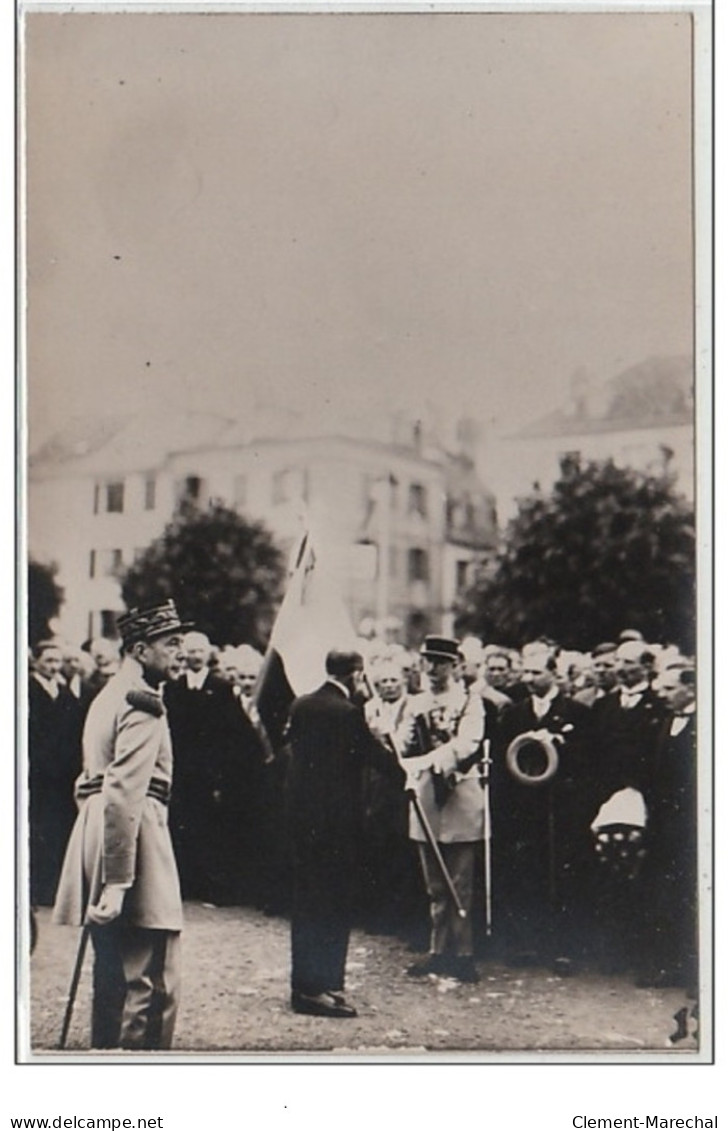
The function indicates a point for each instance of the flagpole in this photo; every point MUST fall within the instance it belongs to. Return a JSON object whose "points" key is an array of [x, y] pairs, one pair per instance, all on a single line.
{"points": [[382, 603]]}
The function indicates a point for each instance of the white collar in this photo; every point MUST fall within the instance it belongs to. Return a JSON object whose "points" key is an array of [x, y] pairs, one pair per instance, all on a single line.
{"points": [[638, 689], [195, 680], [342, 687]]}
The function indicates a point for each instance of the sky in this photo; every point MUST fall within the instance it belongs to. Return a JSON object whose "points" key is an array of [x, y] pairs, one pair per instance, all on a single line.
{"points": [[338, 212]]}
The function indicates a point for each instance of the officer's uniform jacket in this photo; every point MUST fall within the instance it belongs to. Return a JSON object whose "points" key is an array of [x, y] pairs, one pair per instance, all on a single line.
{"points": [[455, 722], [121, 835]]}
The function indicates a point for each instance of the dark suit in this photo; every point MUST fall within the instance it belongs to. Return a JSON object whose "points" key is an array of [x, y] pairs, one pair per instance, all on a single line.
{"points": [[215, 754], [330, 745], [54, 759], [625, 749], [541, 838], [669, 947], [625, 743]]}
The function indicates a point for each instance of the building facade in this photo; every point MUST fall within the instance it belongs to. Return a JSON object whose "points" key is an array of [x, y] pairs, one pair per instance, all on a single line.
{"points": [[405, 522]]}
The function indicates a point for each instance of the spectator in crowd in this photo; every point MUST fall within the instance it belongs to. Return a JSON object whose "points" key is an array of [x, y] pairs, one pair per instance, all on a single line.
{"points": [[215, 748], [442, 733], [229, 667], [629, 635], [475, 674], [626, 729], [269, 881], [106, 659], [75, 669], [604, 674], [669, 950], [391, 896], [54, 761], [540, 815], [412, 669]]}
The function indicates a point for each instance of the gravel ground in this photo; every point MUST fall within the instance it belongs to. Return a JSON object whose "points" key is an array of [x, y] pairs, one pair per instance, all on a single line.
{"points": [[235, 1000]]}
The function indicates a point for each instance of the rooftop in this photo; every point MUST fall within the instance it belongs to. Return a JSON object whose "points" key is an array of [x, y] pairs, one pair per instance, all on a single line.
{"points": [[655, 393]]}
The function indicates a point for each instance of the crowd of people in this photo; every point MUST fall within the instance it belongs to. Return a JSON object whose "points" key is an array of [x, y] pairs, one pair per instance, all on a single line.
{"points": [[537, 805]]}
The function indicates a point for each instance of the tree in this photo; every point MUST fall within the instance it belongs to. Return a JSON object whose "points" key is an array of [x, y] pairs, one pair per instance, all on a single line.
{"points": [[609, 548], [224, 573], [45, 598]]}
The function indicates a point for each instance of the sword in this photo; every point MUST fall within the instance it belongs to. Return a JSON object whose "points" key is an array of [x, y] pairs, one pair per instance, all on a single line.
{"points": [[430, 838], [429, 835], [487, 859]]}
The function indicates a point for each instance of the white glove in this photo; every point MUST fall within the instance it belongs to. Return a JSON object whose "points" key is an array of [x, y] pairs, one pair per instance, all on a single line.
{"points": [[109, 905]]}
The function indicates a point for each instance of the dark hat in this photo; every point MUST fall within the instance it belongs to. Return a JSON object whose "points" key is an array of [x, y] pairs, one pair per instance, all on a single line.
{"points": [[440, 648], [146, 624]]}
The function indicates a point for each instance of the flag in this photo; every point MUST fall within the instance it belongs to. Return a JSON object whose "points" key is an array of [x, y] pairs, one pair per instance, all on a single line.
{"points": [[311, 621]]}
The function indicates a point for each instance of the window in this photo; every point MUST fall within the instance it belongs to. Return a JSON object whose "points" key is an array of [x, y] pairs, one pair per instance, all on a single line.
{"points": [[417, 501], [289, 485], [108, 624], [189, 489], [107, 563], [418, 565], [92, 563], [192, 487], [97, 498], [461, 575], [115, 496], [150, 493], [279, 487]]}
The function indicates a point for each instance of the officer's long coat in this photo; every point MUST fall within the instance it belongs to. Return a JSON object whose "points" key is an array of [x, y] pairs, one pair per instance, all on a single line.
{"points": [[121, 833], [455, 724]]}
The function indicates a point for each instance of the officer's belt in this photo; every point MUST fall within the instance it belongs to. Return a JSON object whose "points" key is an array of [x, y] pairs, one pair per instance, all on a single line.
{"points": [[157, 788]]}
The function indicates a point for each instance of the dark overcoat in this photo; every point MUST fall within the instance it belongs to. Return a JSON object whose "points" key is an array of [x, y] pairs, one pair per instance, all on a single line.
{"points": [[541, 837], [330, 746], [217, 754]]}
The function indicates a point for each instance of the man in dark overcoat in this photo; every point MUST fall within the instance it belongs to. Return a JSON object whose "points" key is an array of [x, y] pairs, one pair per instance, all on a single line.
{"points": [[669, 951], [626, 727], [540, 819], [54, 762], [330, 746], [215, 751]]}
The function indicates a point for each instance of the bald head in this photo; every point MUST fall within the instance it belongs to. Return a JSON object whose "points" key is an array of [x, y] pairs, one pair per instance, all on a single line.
{"points": [[197, 650]]}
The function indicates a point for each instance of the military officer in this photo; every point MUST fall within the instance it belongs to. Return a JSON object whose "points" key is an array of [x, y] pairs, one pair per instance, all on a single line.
{"points": [[441, 738], [119, 874]]}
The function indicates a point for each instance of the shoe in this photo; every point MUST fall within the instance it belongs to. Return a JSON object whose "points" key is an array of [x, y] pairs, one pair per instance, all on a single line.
{"points": [[563, 966], [322, 1005], [432, 964], [464, 969]]}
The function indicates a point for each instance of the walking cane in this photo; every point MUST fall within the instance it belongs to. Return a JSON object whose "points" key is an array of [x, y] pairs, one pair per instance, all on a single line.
{"points": [[551, 850], [73, 988]]}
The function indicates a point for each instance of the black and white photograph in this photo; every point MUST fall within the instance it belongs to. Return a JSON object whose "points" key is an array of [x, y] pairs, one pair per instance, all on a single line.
{"points": [[365, 656]]}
